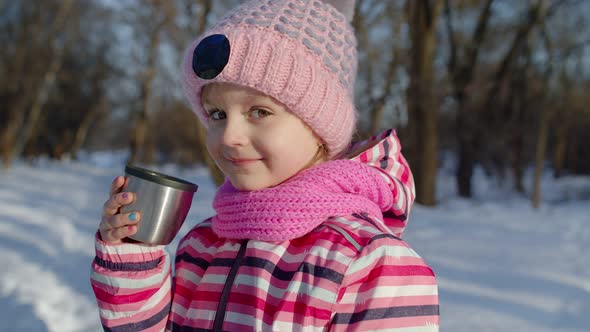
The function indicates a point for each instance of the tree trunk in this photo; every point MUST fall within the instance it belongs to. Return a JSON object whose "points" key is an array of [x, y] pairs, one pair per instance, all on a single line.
{"points": [[545, 121], [423, 114], [519, 104], [540, 157], [518, 163], [16, 117], [138, 136], [572, 153], [466, 145], [466, 160], [563, 126], [560, 147]]}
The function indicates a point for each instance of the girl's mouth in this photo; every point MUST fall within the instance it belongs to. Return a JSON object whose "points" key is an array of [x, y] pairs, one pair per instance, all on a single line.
{"points": [[240, 162]]}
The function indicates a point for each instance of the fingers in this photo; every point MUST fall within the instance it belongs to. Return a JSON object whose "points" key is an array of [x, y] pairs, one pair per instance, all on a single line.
{"points": [[118, 184], [116, 235], [119, 220], [114, 228], [116, 201]]}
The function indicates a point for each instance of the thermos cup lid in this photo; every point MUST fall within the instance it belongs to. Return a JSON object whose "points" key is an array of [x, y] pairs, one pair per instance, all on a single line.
{"points": [[160, 178]]}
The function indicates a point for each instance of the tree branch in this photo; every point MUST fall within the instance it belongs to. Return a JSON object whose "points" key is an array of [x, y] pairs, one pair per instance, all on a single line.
{"points": [[534, 16], [479, 34], [452, 65]]}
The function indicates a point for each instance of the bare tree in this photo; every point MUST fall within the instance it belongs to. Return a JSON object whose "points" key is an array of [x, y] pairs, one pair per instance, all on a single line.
{"points": [[422, 109], [160, 15], [377, 56], [572, 105], [378, 102], [100, 71], [15, 137], [461, 68]]}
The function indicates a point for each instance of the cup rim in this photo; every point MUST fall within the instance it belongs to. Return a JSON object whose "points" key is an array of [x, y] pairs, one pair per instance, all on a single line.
{"points": [[159, 178]]}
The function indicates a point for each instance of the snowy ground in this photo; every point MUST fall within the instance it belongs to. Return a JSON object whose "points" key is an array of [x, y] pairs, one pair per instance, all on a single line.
{"points": [[501, 265]]}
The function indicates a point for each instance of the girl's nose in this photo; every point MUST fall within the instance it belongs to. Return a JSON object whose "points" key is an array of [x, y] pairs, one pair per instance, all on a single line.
{"points": [[235, 133]]}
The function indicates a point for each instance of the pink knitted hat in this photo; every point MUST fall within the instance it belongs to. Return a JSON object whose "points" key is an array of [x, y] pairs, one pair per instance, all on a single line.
{"points": [[300, 52]]}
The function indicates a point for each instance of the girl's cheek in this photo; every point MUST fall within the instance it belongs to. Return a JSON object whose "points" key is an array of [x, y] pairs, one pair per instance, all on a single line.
{"points": [[214, 133], [212, 140]]}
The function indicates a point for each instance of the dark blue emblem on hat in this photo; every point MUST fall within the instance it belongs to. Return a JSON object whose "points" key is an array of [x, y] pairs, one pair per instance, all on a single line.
{"points": [[211, 56]]}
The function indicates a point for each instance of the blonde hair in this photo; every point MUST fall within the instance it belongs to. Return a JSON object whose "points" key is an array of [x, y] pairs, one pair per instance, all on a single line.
{"points": [[320, 156]]}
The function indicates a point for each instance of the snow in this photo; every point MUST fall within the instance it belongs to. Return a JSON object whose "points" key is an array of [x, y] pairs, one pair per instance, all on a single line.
{"points": [[501, 265]]}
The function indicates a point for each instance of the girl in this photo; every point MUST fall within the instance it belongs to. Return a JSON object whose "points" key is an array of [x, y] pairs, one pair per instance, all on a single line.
{"points": [[307, 234]]}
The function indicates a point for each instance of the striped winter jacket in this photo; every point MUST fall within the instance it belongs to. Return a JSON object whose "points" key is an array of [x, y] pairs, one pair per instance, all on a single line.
{"points": [[352, 273]]}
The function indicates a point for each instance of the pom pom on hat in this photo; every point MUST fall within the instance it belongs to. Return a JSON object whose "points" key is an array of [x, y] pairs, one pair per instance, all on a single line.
{"points": [[300, 52]]}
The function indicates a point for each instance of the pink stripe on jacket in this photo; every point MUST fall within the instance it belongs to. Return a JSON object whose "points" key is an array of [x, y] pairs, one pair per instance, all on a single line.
{"points": [[350, 273]]}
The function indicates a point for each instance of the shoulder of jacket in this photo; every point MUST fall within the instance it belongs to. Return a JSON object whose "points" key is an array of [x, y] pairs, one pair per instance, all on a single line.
{"points": [[359, 230], [200, 230]]}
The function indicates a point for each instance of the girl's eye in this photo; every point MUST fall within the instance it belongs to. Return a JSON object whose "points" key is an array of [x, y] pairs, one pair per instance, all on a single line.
{"points": [[216, 115], [260, 113]]}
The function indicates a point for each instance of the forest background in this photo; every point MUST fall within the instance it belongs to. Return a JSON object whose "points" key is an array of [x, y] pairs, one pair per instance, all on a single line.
{"points": [[496, 84]]}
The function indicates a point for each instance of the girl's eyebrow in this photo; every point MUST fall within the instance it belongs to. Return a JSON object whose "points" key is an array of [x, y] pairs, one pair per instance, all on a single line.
{"points": [[206, 102], [264, 100], [257, 96]]}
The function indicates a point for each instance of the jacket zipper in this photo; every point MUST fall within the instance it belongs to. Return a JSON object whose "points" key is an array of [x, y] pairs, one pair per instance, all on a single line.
{"points": [[221, 308]]}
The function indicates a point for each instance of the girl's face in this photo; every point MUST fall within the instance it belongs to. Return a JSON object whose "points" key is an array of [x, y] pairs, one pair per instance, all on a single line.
{"points": [[254, 139]]}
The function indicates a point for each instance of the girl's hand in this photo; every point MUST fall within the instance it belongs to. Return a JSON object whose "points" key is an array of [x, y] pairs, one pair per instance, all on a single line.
{"points": [[115, 226]]}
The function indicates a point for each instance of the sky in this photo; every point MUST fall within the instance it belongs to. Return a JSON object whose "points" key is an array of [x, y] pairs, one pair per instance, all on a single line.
{"points": [[501, 265]]}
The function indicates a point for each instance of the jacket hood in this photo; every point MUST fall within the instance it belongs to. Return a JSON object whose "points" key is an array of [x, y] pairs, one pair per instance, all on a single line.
{"points": [[383, 153]]}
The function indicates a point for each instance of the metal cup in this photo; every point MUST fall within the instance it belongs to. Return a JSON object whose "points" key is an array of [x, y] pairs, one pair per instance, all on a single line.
{"points": [[163, 201]]}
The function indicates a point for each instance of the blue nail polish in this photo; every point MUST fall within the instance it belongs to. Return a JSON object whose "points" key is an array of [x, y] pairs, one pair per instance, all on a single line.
{"points": [[133, 216]]}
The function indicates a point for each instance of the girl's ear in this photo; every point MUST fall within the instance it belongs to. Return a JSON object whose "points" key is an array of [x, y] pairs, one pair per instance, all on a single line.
{"points": [[346, 7]]}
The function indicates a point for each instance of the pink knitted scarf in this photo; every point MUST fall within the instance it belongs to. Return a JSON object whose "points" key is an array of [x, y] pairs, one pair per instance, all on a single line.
{"points": [[300, 204]]}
